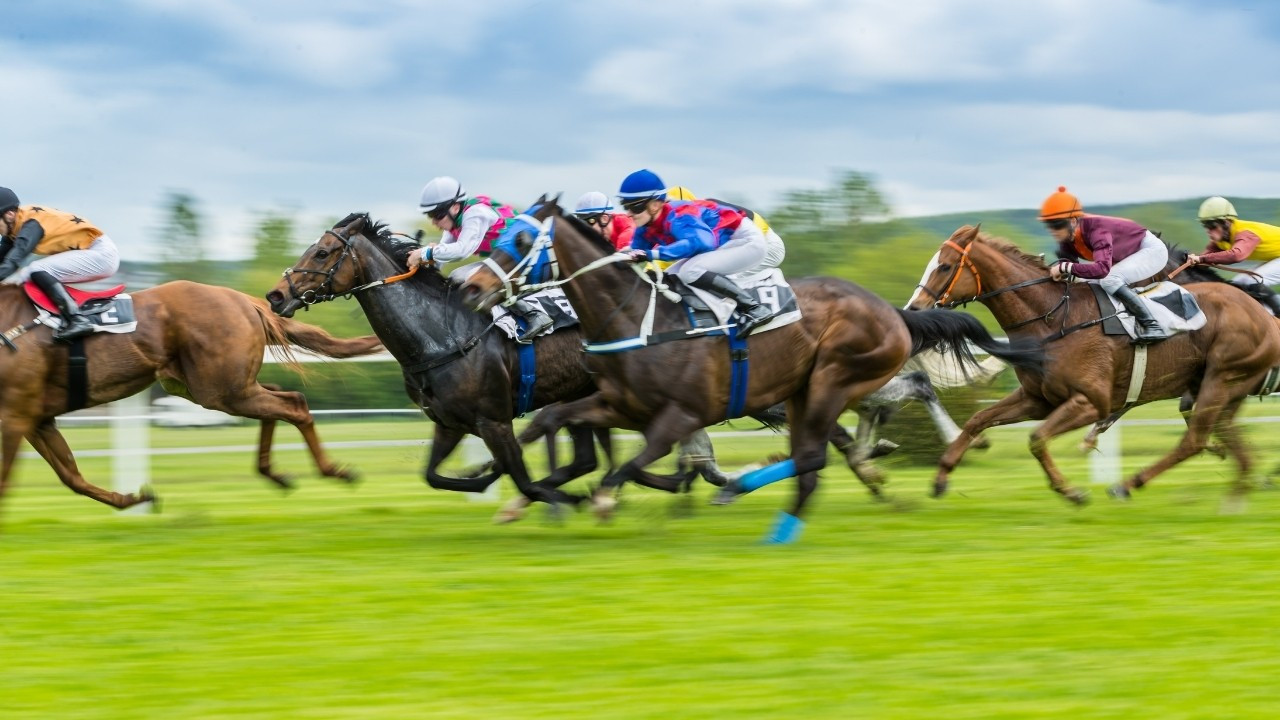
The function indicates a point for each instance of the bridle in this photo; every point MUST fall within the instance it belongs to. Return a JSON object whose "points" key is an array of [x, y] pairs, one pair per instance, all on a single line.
{"points": [[966, 263], [319, 293]]}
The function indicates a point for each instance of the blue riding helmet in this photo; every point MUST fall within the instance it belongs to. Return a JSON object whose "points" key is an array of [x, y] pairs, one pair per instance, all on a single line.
{"points": [[642, 185]]}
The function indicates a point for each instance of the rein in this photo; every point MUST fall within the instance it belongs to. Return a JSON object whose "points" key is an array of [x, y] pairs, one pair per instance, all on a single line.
{"points": [[1215, 266], [311, 297]]}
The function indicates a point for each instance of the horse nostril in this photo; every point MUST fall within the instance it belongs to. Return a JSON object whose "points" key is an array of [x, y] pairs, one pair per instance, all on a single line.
{"points": [[470, 293], [275, 296]]}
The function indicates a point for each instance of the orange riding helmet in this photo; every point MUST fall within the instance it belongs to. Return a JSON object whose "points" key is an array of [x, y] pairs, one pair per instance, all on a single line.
{"points": [[1060, 206]]}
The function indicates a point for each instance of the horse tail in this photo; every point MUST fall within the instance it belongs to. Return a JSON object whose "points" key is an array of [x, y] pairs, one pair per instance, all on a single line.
{"points": [[284, 333], [951, 332]]}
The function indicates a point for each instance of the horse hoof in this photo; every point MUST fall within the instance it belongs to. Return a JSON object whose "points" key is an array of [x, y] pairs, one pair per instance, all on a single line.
{"points": [[513, 511], [1077, 497], [939, 489], [726, 495], [349, 476], [604, 506], [1233, 504], [1119, 491], [982, 442]]}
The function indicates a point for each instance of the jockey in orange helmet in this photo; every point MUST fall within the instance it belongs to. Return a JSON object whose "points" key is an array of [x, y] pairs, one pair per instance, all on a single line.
{"points": [[1111, 251], [74, 250]]}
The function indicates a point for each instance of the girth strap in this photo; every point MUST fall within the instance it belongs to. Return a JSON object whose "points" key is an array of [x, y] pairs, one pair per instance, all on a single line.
{"points": [[77, 376]]}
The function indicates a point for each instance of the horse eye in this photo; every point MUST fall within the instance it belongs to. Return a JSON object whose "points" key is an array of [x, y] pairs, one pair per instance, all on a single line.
{"points": [[944, 267], [322, 254]]}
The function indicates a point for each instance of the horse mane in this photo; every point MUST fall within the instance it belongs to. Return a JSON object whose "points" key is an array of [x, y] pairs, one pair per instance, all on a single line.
{"points": [[547, 206], [381, 236], [1194, 273], [1011, 250]]}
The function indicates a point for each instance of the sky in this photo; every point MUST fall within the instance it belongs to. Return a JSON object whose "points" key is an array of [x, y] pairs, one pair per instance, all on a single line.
{"points": [[321, 108]]}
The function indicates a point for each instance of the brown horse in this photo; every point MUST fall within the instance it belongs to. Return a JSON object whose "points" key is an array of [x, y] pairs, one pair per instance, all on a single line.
{"points": [[201, 342], [1088, 376], [848, 343]]}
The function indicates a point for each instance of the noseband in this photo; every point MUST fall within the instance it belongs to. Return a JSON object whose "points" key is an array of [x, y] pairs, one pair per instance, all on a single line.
{"points": [[319, 294]]}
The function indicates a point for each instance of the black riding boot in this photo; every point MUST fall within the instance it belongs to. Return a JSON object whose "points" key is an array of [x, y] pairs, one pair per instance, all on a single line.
{"points": [[752, 313], [74, 323], [537, 321], [1264, 295], [1148, 330]]}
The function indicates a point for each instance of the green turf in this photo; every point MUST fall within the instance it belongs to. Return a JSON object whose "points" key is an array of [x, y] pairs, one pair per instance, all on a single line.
{"points": [[391, 600]]}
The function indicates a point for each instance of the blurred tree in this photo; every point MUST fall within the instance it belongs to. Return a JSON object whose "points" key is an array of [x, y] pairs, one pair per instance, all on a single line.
{"points": [[181, 237]]}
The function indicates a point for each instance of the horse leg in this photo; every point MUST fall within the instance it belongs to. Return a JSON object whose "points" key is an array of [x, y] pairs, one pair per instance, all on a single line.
{"points": [[1209, 403], [666, 427], [47, 441], [698, 457], [1233, 441], [1015, 407], [266, 431], [500, 437], [1076, 412], [443, 443], [858, 450]]}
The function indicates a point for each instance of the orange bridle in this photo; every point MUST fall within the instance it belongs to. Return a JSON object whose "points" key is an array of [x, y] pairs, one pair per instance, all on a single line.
{"points": [[963, 263]]}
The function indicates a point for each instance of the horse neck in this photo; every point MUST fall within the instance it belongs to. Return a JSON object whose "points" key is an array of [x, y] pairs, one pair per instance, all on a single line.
{"points": [[1001, 271], [597, 295], [412, 319]]}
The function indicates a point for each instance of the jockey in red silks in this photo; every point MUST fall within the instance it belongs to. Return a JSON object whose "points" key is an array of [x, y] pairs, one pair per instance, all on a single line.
{"points": [[470, 226], [616, 227], [74, 249], [712, 239], [1111, 251]]}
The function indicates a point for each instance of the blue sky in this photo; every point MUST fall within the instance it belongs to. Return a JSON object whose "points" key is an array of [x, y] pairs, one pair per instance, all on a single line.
{"points": [[323, 108]]}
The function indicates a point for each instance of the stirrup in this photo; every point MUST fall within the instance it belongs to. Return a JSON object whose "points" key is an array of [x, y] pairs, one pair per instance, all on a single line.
{"points": [[70, 330], [748, 324], [535, 329]]}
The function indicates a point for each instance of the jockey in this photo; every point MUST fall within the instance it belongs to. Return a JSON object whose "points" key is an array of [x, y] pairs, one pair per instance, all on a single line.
{"points": [[1232, 240], [75, 251], [776, 251], [470, 226], [713, 239], [1114, 252], [616, 227]]}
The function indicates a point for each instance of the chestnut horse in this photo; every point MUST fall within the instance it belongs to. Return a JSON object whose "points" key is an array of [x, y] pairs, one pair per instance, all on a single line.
{"points": [[847, 344], [1088, 375], [201, 342]]}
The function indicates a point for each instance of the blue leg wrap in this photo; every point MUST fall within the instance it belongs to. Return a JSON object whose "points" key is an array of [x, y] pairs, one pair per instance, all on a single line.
{"points": [[767, 475], [786, 529]]}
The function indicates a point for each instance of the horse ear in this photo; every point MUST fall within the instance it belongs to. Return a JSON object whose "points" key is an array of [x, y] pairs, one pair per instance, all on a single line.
{"points": [[357, 224], [554, 205]]}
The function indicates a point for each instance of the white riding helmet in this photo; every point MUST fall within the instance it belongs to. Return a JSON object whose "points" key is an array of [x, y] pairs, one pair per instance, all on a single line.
{"points": [[441, 191], [592, 203], [1217, 208]]}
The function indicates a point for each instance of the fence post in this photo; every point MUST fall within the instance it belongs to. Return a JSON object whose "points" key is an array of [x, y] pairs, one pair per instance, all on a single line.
{"points": [[1104, 465], [131, 442]]}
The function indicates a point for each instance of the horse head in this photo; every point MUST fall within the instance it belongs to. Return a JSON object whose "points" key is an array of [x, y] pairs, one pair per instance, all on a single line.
{"points": [[498, 278], [338, 263]]}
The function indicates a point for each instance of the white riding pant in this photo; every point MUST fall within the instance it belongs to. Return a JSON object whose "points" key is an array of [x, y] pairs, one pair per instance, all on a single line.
{"points": [[775, 252], [1150, 259], [745, 249], [1269, 270], [99, 260]]}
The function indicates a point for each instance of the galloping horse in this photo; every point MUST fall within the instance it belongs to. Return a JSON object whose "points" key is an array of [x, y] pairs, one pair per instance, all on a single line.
{"points": [[847, 344], [457, 368], [202, 342], [1088, 376]]}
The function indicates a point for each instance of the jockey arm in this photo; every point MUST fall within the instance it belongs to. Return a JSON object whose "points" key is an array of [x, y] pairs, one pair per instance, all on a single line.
{"points": [[26, 240], [692, 235], [1100, 242], [1243, 246], [476, 221]]}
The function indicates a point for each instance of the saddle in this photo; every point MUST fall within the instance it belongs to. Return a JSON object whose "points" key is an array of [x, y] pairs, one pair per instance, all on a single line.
{"points": [[708, 310], [109, 310], [1172, 306]]}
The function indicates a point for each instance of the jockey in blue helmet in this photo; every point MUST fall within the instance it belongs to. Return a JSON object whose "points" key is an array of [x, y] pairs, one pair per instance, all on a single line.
{"points": [[711, 239]]}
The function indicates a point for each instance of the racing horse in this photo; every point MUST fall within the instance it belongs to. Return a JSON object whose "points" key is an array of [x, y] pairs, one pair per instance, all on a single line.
{"points": [[1088, 377], [201, 342], [457, 367], [848, 343]]}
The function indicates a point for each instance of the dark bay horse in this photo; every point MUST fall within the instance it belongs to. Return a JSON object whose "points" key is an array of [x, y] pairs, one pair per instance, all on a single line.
{"points": [[458, 367], [201, 342], [1089, 373], [847, 344]]}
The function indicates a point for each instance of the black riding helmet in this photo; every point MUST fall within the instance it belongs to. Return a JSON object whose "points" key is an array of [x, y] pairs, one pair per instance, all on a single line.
{"points": [[8, 200]]}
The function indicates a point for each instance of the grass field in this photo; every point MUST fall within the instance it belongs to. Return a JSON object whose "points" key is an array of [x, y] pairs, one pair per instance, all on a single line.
{"points": [[391, 600]]}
